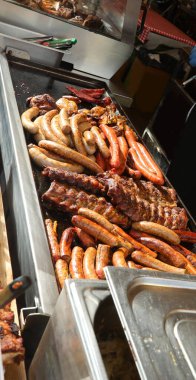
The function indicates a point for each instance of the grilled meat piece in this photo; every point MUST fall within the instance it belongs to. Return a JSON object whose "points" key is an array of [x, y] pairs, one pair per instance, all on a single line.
{"points": [[44, 102], [6, 315], [69, 199], [83, 181], [141, 200]]}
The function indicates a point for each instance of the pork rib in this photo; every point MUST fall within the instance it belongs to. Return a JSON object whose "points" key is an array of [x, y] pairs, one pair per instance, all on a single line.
{"points": [[69, 199], [141, 200], [83, 181]]}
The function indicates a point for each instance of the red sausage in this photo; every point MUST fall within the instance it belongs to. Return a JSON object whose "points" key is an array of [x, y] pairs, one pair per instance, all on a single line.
{"points": [[89, 264], [130, 136], [112, 138], [151, 262], [66, 242], [61, 270], [151, 164], [52, 239], [187, 236], [146, 171], [101, 161], [102, 259]]}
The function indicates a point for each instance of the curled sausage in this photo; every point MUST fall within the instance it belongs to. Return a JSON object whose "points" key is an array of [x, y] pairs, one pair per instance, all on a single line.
{"points": [[77, 134], [151, 262], [61, 270], [151, 164], [39, 135], [46, 126], [112, 138], [100, 142], [95, 230], [76, 263], [157, 230], [70, 154], [51, 155], [119, 256], [27, 117], [101, 160], [187, 236], [42, 160], [89, 264], [130, 136], [52, 239], [88, 135], [86, 239], [69, 105], [65, 243], [56, 129], [102, 259], [90, 149], [64, 121]]}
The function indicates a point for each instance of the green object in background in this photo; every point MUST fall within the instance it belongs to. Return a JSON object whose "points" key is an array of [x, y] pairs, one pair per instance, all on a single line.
{"points": [[67, 41]]}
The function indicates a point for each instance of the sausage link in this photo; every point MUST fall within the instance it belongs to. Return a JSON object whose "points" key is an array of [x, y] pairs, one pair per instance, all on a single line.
{"points": [[90, 149], [118, 258], [157, 230], [26, 119], [176, 258], [112, 138], [42, 160], [95, 230], [151, 262], [187, 236], [86, 239], [146, 172], [133, 265], [151, 163], [65, 243], [64, 121], [77, 134], [101, 161], [76, 263], [89, 264], [46, 126], [39, 135], [56, 129], [130, 136], [191, 256], [52, 239], [136, 174], [71, 154], [102, 260], [61, 271], [89, 137], [100, 142]]}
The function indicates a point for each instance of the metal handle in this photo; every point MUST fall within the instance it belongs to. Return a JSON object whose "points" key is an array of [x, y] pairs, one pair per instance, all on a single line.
{"points": [[13, 290]]}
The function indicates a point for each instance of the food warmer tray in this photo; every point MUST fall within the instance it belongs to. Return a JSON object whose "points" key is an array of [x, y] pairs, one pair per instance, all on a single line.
{"points": [[20, 79], [154, 338]]}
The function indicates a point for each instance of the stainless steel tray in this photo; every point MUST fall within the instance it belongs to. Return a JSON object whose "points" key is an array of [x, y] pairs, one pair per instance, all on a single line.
{"points": [[158, 315]]}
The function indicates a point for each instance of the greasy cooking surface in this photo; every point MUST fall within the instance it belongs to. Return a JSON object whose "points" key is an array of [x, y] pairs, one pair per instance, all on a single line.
{"points": [[113, 344]]}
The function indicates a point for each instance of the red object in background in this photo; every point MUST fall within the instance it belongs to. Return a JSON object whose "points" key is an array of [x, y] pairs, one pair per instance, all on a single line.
{"points": [[155, 23]]}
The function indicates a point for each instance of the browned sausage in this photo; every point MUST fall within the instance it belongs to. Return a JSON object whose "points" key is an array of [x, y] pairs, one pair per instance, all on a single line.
{"points": [[86, 239], [191, 256], [56, 129], [66, 242], [76, 263], [77, 134], [89, 264], [88, 135], [134, 243], [133, 265], [95, 230], [187, 236], [118, 258], [102, 259], [90, 149], [39, 135], [176, 258], [52, 239], [46, 126], [157, 230], [151, 262], [71, 154], [61, 270]]}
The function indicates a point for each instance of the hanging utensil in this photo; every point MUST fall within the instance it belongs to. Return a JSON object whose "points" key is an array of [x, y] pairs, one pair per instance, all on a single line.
{"points": [[14, 289]]}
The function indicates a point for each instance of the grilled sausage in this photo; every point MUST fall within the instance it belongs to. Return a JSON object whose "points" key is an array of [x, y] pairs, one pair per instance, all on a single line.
{"points": [[102, 259], [157, 230], [133, 265], [27, 117], [71, 155], [46, 126], [61, 270], [100, 142], [187, 236], [118, 258], [39, 135], [112, 138], [89, 137], [65, 243], [151, 262], [64, 121], [77, 134], [52, 239], [86, 239], [95, 230], [90, 149], [89, 264], [69, 105], [42, 160], [76, 263]]}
